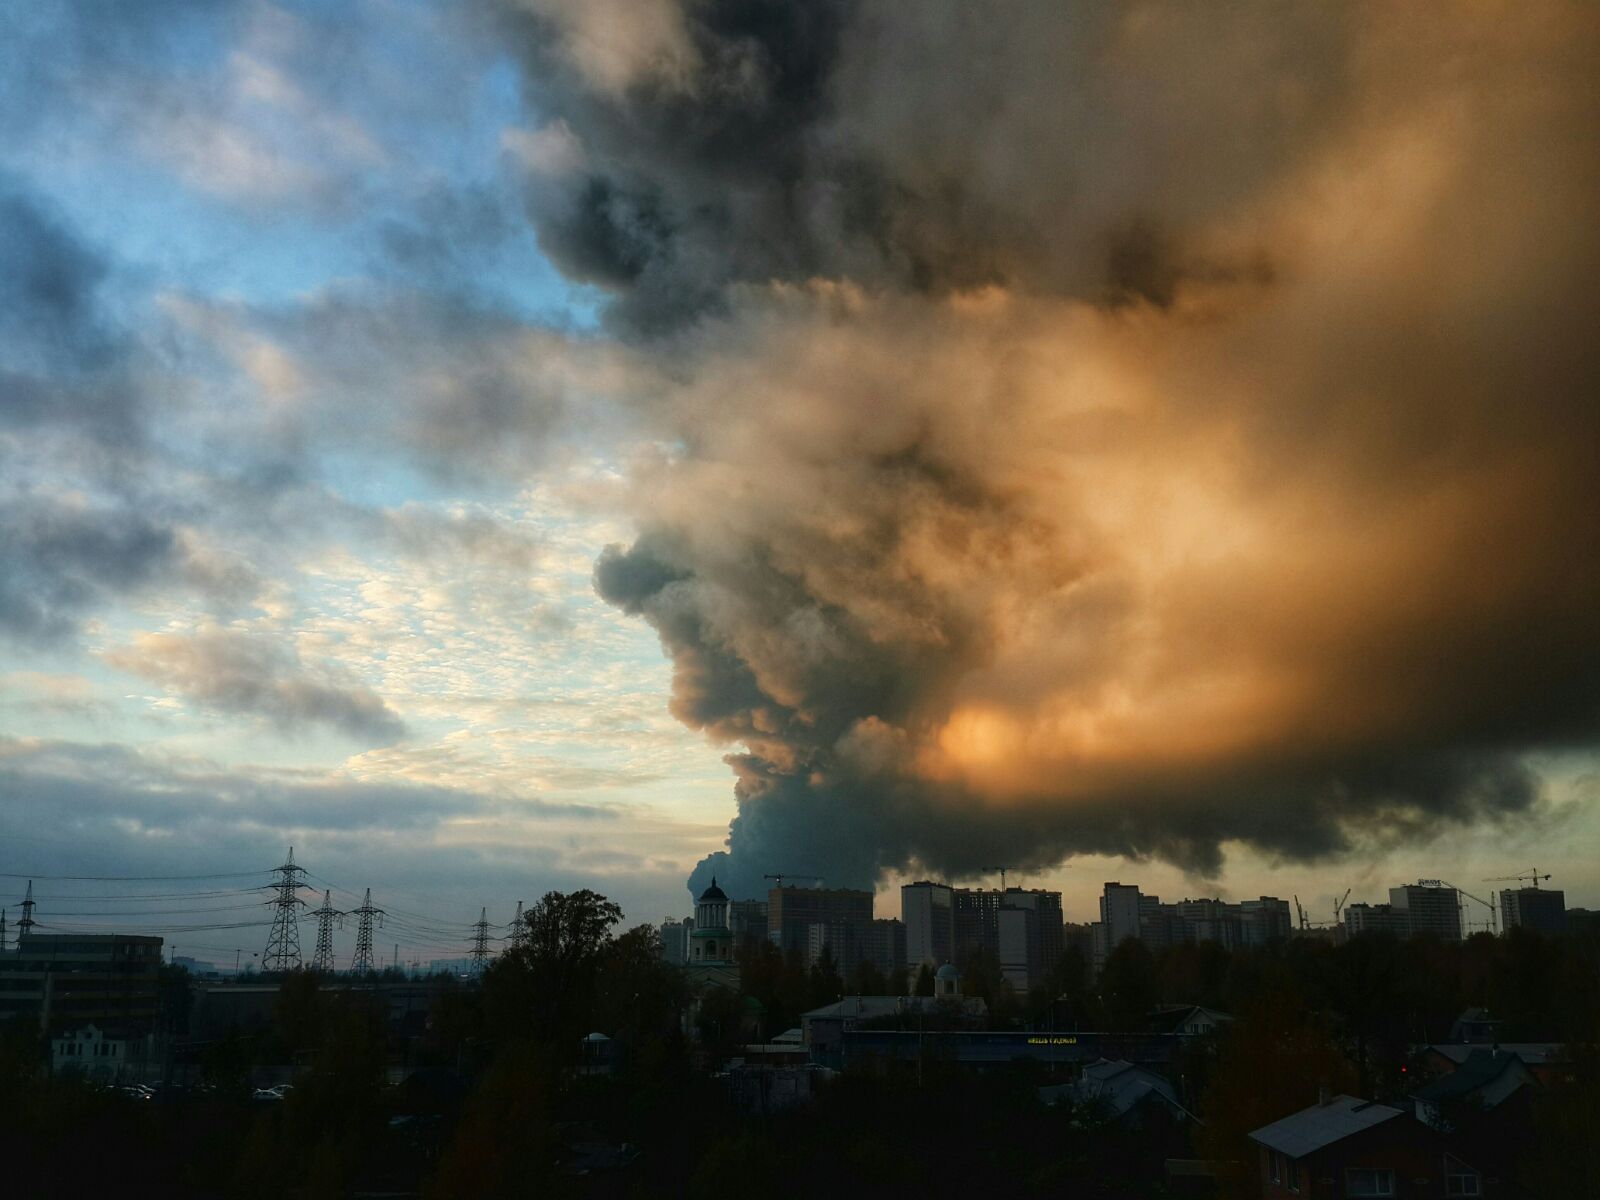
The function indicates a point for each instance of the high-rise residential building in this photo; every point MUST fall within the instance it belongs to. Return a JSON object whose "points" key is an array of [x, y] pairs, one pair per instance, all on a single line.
{"points": [[791, 911], [1430, 907], [884, 945], [1265, 919], [928, 910], [977, 922], [1021, 927], [675, 940], [747, 919], [1119, 919], [1544, 909], [1376, 918]]}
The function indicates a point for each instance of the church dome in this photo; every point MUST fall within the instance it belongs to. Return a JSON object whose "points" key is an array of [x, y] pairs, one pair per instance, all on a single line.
{"points": [[713, 892], [947, 972]]}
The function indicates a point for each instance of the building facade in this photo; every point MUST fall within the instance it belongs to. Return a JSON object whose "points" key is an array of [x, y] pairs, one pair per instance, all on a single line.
{"points": [[928, 910], [1376, 918], [1543, 909], [791, 911], [66, 981], [675, 940], [1430, 908]]}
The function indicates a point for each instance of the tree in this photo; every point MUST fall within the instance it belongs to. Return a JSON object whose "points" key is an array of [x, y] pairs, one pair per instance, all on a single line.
{"points": [[1273, 1060], [1128, 988], [924, 986], [544, 989]]}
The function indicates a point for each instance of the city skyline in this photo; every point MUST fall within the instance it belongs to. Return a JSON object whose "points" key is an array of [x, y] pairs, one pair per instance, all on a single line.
{"points": [[491, 453]]}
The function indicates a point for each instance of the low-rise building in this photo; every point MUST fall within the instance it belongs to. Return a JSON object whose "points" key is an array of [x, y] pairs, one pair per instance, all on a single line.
{"points": [[1344, 1146], [101, 1055]]}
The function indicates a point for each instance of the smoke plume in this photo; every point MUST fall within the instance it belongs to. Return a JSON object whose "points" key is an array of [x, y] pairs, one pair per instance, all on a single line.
{"points": [[1109, 428]]}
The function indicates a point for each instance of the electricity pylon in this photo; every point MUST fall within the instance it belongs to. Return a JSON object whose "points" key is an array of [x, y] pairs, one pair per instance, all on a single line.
{"points": [[519, 929], [283, 941], [480, 942], [362, 963], [322, 960], [25, 926]]}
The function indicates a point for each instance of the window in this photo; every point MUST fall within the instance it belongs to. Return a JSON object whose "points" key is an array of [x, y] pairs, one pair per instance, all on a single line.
{"points": [[1369, 1181], [1275, 1166], [1460, 1179], [1292, 1174]]}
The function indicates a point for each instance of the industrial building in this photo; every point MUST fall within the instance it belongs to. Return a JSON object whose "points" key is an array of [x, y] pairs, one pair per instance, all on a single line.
{"points": [[66, 981]]}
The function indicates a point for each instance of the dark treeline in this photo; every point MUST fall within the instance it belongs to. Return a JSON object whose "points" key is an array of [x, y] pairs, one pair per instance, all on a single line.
{"points": [[508, 1094]]}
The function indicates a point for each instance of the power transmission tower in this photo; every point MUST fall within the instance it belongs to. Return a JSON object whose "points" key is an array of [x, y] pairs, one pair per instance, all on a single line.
{"points": [[322, 960], [25, 926], [480, 942], [519, 929], [362, 963], [2, 929], [283, 940]]}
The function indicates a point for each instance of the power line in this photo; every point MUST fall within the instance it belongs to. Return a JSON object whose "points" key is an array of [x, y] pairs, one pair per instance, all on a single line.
{"points": [[131, 878]]}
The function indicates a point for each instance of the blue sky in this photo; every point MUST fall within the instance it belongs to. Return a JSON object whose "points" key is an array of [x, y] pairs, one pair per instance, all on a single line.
{"points": [[307, 458]]}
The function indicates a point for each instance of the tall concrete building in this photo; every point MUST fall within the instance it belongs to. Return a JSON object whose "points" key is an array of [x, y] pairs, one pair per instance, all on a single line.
{"points": [[1376, 918], [791, 911], [1021, 927], [1544, 909], [884, 945], [928, 910], [675, 940], [1028, 935], [1262, 920], [1430, 907], [747, 919], [1119, 919]]}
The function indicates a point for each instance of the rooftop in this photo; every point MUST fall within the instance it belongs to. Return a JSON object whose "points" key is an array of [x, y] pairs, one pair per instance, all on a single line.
{"points": [[1482, 1067], [1310, 1129]]}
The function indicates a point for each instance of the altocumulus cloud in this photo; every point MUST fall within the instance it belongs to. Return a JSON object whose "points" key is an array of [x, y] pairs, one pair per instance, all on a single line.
{"points": [[237, 672]]}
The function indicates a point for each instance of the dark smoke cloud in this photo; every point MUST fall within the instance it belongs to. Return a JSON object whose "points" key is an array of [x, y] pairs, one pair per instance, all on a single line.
{"points": [[1095, 428]]}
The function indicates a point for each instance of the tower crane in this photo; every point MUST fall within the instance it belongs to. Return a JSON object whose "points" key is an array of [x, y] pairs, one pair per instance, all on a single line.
{"points": [[1003, 870], [1532, 876], [1338, 905], [1491, 925]]}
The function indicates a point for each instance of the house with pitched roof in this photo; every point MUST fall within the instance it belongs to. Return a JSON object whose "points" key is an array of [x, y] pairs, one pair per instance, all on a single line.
{"points": [[1345, 1147]]}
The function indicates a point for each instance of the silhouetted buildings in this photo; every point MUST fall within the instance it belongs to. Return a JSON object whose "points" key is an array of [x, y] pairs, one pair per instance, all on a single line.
{"points": [[66, 981], [1541, 909], [1430, 907], [1127, 913]]}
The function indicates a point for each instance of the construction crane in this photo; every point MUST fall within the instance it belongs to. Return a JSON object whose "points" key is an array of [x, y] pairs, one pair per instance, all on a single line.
{"points": [[1491, 925], [1338, 905], [1532, 876], [1003, 870], [777, 880], [1303, 923]]}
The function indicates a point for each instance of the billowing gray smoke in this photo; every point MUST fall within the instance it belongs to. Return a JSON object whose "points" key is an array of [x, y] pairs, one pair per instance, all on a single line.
{"points": [[1097, 427]]}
